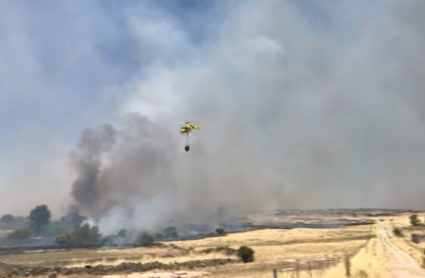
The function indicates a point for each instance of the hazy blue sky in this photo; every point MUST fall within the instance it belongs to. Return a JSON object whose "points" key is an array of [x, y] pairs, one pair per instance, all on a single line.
{"points": [[69, 65]]}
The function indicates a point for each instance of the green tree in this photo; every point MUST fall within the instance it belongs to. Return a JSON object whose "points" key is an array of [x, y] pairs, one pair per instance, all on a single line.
{"points": [[19, 233], [7, 219], [39, 219], [54, 228], [145, 239], [414, 220], [71, 221], [85, 235]]}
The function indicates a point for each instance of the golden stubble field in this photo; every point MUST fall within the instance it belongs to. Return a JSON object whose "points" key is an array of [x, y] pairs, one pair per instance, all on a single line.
{"points": [[272, 247]]}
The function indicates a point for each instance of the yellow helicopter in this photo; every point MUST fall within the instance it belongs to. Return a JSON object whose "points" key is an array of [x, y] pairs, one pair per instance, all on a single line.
{"points": [[187, 129]]}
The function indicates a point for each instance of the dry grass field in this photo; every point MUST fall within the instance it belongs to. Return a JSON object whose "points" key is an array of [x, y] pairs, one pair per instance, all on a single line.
{"points": [[271, 246], [274, 249], [110, 257]]}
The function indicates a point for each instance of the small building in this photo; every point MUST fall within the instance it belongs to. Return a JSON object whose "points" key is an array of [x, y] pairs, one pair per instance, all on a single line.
{"points": [[418, 238]]}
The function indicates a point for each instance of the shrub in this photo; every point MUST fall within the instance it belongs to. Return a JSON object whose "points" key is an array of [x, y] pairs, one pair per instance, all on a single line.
{"points": [[220, 231], [414, 220], [62, 239], [19, 233], [397, 232], [145, 239], [246, 254]]}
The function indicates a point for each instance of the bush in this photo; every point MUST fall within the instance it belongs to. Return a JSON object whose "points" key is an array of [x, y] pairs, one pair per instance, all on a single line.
{"points": [[145, 239], [20, 233], [246, 254], [414, 220], [62, 239], [397, 232], [220, 231]]}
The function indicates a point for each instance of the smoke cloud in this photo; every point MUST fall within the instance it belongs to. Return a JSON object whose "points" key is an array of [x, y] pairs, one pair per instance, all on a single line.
{"points": [[296, 111], [302, 104]]}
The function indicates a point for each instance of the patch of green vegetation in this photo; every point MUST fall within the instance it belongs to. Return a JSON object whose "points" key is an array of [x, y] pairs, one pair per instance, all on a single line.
{"points": [[19, 234], [145, 239], [246, 254], [398, 232]]}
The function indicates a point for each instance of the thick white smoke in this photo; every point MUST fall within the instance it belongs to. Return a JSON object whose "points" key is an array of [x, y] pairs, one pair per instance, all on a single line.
{"points": [[293, 113]]}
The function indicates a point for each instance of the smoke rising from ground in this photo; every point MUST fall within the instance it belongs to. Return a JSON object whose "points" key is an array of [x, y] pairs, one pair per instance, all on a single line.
{"points": [[294, 114]]}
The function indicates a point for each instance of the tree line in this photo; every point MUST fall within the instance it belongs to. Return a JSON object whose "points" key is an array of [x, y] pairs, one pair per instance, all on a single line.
{"points": [[69, 229], [72, 229]]}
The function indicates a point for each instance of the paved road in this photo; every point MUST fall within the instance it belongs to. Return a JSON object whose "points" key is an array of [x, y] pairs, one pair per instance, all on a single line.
{"points": [[400, 264]]}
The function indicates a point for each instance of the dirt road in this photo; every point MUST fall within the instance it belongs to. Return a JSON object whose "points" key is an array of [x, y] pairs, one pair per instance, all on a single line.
{"points": [[400, 264]]}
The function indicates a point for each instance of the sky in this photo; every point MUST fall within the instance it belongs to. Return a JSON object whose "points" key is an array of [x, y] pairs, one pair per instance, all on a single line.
{"points": [[308, 104]]}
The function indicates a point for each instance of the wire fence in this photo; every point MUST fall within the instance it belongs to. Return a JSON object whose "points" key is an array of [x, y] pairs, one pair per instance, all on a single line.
{"points": [[318, 266]]}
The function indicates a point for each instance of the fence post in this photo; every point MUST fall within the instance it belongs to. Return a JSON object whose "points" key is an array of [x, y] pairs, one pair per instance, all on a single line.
{"points": [[347, 266], [309, 268], [298, 268], [320, 266], [274, 273]]}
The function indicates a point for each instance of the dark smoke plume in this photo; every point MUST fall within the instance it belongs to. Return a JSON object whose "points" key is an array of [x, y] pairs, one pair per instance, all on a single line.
{"points": [[140, 177], [86, 189], [120, 171]]}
